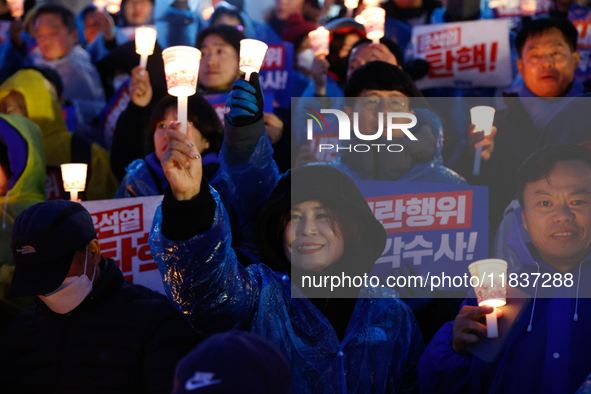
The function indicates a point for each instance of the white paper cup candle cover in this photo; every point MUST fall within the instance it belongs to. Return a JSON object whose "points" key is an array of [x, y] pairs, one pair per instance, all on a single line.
{"points": [[374, 21], [74, 178], [319, 39], [492, 289], [252, 55], [181, 66], [145, 39], [113, 6], [482, 117], [16, 7]]}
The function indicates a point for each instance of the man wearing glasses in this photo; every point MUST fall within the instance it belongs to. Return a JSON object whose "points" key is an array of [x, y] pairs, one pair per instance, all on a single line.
{"points": [[374, 90]]}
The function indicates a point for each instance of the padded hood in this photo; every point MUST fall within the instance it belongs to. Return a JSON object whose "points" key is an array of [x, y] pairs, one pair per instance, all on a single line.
{"points": [[333, 188]]}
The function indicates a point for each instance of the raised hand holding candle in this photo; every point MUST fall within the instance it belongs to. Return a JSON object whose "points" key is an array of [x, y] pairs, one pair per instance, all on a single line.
{"points": [[74, 178], [482, 117], [145, 39], [252, 54], [491, 277], [319, 39], [16, 7], [181, 66], [374, 21]]}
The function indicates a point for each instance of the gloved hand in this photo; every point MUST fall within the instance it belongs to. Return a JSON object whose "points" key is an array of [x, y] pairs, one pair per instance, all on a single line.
{"points": [[244, 105]]}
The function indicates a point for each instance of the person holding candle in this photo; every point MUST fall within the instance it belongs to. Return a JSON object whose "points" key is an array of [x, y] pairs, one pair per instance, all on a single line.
{"points": [[314, 222], [547, 62], [363, 52], [29, 94], [145, 177], [219, 68], [330, 71], [548, 348]]}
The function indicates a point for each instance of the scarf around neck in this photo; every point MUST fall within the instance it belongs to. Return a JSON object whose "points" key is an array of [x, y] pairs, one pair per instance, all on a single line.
{"points": [[542, 110]]}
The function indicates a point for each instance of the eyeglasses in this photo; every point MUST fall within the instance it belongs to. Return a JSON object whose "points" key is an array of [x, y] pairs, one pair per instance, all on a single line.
{"points": [[396, 104]]}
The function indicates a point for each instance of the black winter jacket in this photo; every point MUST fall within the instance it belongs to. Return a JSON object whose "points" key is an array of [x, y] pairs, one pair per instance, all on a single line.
{"points": [[123, 338]]}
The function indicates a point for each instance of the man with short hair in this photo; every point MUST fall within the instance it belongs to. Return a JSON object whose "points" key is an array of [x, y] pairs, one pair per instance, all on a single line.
{"points": [[57, 37], [90, 330], [548, 349], [548, 58]]}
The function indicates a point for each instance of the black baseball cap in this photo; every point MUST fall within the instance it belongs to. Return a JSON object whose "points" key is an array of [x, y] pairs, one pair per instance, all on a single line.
{"points": [[233, 362], [45, 238]]}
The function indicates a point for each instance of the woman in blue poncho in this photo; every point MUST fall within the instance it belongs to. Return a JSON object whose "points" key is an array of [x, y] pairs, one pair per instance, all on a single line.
{"points": [[315, 223]]}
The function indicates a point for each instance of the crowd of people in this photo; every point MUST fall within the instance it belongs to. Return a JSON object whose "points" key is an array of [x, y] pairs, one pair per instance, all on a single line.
{"points": [[250, 210]]}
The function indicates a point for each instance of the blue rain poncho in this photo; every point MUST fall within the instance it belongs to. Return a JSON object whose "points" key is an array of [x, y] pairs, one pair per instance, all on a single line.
{"points": [[204, 280], [215, 292]]}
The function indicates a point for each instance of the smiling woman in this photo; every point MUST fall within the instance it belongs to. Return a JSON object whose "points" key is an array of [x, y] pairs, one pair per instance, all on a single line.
{"points": [[312, 239], [315, 224]]}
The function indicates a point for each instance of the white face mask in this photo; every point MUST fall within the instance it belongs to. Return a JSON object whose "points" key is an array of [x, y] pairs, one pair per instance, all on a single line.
{"points": [[305, 59], [71, 292]]}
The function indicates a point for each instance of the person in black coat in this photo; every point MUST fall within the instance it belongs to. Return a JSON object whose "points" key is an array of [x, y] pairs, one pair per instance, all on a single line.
{"points": [[90, 330], [547, 63]]}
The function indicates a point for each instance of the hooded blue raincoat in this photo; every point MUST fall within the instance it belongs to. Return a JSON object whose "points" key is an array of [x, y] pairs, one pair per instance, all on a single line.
{"points": [[205, 281], [553, 357]]}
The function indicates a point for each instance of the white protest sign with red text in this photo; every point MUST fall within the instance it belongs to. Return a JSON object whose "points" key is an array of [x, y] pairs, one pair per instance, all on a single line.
{"points": [[123, 228], [464, 54]]}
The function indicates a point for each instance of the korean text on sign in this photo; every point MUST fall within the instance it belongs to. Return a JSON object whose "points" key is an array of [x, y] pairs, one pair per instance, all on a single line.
{"points": [[455, 247], [423, 211], [447, 56], [122, 237], [464, 54]]}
